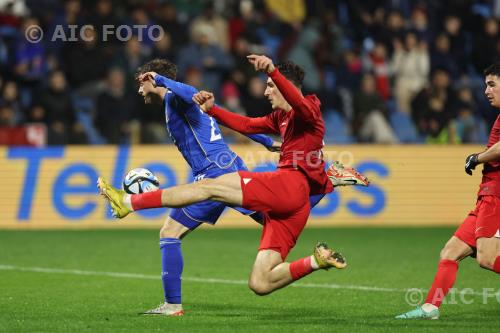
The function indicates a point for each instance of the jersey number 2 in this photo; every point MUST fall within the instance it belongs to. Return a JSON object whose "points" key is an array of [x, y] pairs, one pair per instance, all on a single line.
{"points": [[213, 134]]}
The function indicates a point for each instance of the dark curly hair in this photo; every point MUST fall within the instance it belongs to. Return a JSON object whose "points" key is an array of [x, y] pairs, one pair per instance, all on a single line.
{"points": [[493, 69], [160, 66], [292, 72]]}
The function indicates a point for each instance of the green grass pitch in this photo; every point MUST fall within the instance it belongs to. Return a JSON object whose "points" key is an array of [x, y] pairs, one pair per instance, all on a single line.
{"points": [[334, 301]]}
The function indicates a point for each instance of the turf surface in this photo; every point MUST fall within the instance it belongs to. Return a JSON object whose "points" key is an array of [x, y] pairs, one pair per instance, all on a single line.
{"points": [[391, 259]]}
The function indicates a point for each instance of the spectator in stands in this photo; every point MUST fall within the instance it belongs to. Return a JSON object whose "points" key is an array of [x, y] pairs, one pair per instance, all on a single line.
{"points": [[376, 62], [433, 111], [85, 63], [486, 45], [7, 116], [419, 23], [411, 64], [133, 56], [465, 123], [10, 99], [302, 54], [204, 54], [442, 58], [169, 21], [370, 114], [394, 30], [58, 112], [69, 15], [163, 49], [103, 14], [217, 23], [254, 101], [458, 47], [30, 60], [115, 109]]}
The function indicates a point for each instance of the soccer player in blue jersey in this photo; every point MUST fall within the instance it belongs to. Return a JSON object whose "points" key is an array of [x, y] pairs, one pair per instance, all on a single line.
{"points": [[199, 140]]}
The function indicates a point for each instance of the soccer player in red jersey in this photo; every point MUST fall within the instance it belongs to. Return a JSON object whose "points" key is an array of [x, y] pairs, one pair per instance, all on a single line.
{"points": [[479, 234], [282, 196]]}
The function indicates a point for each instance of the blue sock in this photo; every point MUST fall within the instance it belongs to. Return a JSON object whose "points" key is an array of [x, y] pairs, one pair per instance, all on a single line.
{"points": [[172, 265]]}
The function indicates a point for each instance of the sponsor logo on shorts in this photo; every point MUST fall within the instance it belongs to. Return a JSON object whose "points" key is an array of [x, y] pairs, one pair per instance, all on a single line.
{"points": [[246, 180]]}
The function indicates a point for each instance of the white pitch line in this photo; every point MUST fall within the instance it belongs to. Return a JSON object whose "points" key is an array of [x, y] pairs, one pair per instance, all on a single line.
{"points": [[203, 280]]}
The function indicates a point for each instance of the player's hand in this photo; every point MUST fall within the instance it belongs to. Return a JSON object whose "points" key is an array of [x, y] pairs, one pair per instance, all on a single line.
{"points": [[261, 63], [470, 163], [148, 76], [276, 147], [205, 100]]}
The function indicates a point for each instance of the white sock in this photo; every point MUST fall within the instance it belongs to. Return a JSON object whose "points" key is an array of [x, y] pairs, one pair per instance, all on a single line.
{"points": [[314, 264], [428, 307], [127, 200]]}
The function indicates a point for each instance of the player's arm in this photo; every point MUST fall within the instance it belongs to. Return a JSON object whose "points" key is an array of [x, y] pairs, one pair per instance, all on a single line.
{"points": [[305, 109], [492, 154], [236, 122], [184, 91]]}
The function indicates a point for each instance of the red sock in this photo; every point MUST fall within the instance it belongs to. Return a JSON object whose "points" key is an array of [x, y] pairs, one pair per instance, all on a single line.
{"points": [[300, 268], [496, 265], [146, 200], [444, 280]]}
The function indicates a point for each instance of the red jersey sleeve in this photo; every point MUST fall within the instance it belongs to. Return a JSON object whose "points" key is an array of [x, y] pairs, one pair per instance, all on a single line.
{"points": [[246, 125], [307, 109]]}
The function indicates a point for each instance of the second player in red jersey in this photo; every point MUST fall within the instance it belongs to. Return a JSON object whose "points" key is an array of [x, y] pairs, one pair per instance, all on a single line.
{"points": [[479, 235]]}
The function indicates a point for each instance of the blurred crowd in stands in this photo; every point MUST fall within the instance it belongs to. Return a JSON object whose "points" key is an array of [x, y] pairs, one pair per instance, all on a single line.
{"points": [[394, 71]]}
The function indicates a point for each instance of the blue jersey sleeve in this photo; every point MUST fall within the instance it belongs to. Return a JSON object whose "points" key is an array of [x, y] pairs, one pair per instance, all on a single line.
{"points": [[263, 139], [184, 91]]}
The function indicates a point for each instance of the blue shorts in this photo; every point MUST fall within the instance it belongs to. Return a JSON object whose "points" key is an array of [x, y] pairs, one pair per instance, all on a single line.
{"points": [[207, 211]]}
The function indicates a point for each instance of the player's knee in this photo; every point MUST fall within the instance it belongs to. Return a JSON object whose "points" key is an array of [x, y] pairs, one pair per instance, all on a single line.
{"points": [[208, 187], [450, 252], [447, 254], [484, 260], [168, 233], [259, 288]]}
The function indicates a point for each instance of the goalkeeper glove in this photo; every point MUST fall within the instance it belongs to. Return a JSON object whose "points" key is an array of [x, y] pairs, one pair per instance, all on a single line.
{"points": [[470, 163]]}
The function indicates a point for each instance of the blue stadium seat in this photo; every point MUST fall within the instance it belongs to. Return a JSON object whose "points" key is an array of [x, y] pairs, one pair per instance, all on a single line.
{"points": [[337, 128], [403, 127]]}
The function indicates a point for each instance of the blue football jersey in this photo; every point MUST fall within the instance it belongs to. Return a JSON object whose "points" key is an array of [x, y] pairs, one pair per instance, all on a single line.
{"points": [[196, 134]]}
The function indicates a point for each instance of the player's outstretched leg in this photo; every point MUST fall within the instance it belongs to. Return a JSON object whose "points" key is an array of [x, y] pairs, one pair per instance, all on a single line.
{"points": [[225, 188], [270, 272], [340, 175]]}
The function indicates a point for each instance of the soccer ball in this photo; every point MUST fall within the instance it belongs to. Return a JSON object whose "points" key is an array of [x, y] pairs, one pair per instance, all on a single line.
{"points": [[140, 180]]}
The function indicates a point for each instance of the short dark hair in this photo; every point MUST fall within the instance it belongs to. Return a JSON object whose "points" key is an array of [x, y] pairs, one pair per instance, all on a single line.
{"points": [[160, 66], [493, 69], [292, 72]]}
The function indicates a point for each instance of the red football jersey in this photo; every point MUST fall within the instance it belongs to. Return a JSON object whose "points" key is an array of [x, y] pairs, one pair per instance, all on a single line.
{"points": [[490, 184], [302, 130]]}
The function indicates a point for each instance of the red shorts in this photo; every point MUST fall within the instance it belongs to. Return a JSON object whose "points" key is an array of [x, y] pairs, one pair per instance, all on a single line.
{"points": [[484, 221], [282, 196]]}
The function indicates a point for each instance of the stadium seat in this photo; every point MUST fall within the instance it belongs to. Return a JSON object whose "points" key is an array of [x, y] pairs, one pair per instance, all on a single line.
{"points": [[337, 129], [403, 127]]}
